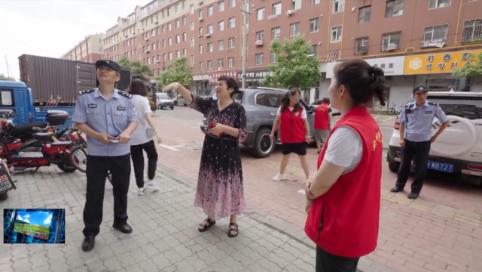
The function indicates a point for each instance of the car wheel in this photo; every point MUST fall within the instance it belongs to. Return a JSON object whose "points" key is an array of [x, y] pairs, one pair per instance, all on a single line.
{"points": [[263, 146], [172, 107], [393, 166]]}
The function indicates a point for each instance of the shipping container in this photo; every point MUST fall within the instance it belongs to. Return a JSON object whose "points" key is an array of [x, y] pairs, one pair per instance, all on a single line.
{"points": [[59, 81]]}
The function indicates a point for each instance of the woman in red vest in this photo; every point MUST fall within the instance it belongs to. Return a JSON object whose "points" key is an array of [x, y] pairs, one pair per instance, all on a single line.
{"points": [[344, 196], [294, 131]]}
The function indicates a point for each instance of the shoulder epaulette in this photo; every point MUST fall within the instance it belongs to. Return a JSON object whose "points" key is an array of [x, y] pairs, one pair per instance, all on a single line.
{"points": [[85, 92], [125, 94], [432, 104]]}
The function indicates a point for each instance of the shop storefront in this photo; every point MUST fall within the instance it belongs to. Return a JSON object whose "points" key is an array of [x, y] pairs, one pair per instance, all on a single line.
{"points": [[201, 85], [253, 77]]}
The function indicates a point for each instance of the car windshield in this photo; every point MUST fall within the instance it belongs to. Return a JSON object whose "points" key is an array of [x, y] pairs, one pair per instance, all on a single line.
{"points": [[162, 96], [465, 107]]}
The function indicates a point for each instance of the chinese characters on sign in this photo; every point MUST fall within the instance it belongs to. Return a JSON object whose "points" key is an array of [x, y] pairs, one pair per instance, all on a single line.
{"points": [[436, 63], [254, 76], [213, 78]]}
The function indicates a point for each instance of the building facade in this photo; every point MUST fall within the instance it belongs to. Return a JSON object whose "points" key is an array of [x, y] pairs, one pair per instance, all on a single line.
{"points": [[415, 42], [88, 50]]}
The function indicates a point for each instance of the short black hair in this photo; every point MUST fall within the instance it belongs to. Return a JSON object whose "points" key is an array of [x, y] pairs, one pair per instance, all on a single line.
{"points": [[230, 82], [325, 100], [138, 87]]}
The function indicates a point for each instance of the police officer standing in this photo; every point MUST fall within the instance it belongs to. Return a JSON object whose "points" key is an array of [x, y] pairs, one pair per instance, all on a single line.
{"points": [[416, 137], [108, 117]]}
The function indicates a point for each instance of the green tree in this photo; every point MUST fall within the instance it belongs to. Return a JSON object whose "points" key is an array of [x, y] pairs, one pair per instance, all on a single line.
{"points": [[136, 66], [472, 67], [296, 66], [2, 77], [176, 71]]}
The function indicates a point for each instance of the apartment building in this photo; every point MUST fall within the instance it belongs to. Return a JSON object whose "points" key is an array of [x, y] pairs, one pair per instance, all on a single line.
{"points": [[88, 50], [414, 42]]}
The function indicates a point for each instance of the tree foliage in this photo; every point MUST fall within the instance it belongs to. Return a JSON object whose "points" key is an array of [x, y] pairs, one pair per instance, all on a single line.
{"points": [[6, 78], [295, 66], [176, 71], [473, 66], [137, 68]]}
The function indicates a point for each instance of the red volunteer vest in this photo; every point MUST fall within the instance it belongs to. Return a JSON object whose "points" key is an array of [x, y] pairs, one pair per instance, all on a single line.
{"points": [[322, 118], [292, 129], [345, 220]]}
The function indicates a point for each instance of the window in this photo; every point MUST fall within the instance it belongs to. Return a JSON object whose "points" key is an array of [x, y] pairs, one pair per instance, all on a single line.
{"points": [[315, 2], [277, 9], [192, 59], [168, 12], [6, 98], [169, 41], [183, 4], [295, 4], [336, 34], [231, 3], [231, 43], [200, 31], [163, 29], [184, 52], [184, 36], [259, 58], [230, 62], [178, 54], [472, 31], [184, 20], [192, 9], [210, 11], [433, 4], [192, 26], [201, 13], [268, 100], [200, 66], [294, 29], [314, 25], [364, 14], [435, 36], [178, 23], [272, 57], [221, 6], [391, 41], [200, 49], [221, 26], [210, 65], [158, 45], [170, 56], [338, 6], [260, 14], [192, 42], [178, 39], [148, 60], [153, 46], [232, 22], [169, 27], [210, 47], [164, 57], [221, 45], [164, 43], [210, 29], [220, 63], [259, 36], [314, 51], [394, 8], [361, 45], [275, 33], [176, 8]]}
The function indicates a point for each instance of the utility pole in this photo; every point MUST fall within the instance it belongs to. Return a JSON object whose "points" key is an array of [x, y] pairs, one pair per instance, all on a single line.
{"points": [[245, 9]]}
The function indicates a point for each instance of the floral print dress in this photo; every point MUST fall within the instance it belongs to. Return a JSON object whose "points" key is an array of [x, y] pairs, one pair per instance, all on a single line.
{"points": [[220, 191]]}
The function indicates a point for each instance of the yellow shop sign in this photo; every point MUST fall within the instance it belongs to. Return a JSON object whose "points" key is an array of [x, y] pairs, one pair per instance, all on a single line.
{"points": [[436, 63]]}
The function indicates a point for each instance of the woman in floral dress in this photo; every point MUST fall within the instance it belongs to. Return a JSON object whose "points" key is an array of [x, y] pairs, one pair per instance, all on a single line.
{"points": [[220, 191]]}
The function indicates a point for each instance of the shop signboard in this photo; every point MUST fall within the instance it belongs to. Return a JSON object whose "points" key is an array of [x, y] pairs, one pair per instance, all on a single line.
{"points": [[254, 75], [200, 77], [213, 77], [436, 63], [392, 66]]}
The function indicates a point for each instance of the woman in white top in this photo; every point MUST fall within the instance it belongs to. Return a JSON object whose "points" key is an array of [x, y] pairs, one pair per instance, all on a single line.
{"points": [[141, 138]]}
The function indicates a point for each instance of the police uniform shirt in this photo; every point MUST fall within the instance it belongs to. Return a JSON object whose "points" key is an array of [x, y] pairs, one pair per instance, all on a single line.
{"points": [[418, 120], [110, 116]]}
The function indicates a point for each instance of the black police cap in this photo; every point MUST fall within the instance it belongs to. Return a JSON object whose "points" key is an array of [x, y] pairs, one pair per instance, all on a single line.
{"points": [[111, 64], [419, 89]]}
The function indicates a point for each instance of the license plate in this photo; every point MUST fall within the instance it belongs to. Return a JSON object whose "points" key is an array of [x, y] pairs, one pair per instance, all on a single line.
{"points": [[440, 166]]}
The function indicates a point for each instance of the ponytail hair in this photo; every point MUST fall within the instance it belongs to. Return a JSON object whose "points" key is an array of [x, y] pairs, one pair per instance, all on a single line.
{"points": [[285, 101]]}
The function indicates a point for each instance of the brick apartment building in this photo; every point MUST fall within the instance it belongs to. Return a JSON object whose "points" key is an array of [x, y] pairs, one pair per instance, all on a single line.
{"points": [[415, 42], [88, 50]]}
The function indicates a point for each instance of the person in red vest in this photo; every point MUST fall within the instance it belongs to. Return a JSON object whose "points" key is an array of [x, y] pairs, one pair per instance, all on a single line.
{"points": [[343, 197], [294, 131], [322, 123]]}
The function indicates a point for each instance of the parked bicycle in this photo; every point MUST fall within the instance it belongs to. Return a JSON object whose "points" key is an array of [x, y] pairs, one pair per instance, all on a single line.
{"points": [[393, 110]]}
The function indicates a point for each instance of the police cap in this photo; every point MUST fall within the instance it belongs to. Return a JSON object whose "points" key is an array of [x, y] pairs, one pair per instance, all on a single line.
{"points": [[111, 64], [419, 89]]}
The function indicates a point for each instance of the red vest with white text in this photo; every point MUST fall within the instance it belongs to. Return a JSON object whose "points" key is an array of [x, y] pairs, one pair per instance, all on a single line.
{"points": [[345, 220], [322, 119], [292, 129]]}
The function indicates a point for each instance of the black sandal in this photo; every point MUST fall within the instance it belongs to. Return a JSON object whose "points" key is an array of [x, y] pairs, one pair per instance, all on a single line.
{"points": [[206, 224], [233, 227]]}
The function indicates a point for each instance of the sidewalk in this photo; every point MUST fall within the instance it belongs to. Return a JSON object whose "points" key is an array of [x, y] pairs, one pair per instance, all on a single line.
{"points": [[165, 236]]}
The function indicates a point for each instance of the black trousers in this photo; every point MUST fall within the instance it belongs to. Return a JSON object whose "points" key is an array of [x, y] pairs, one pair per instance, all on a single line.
{"points": [[138, 161], [97, 168], [327, 262], [419, 151]]}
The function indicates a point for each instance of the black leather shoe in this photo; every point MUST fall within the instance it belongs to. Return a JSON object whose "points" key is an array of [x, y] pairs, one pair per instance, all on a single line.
{"points": [[124, 228], [413, 195], [88, 243], [395, 189]]}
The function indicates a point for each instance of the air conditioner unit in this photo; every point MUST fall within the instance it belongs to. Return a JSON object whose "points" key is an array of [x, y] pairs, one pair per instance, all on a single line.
{"points": [[201, 19], [290, 12], [200, 35], [392, 46], [208, 35], [148, 50], [156, 22], [147, 38], [272, 16], [259, 43]]}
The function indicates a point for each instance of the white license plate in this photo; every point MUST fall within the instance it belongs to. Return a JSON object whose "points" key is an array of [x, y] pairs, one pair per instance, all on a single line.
{"points": [[440, 166]]}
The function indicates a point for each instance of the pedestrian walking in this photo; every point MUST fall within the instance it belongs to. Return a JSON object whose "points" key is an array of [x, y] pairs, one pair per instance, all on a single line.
{"points": [[343, 198], [220, 191], [142, 138], [108, 117], [416, 138], [322, 123], [292, 121]]}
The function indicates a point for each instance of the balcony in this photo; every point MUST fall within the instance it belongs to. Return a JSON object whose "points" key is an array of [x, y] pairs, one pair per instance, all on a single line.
{"points": [[274, 16], [259, 43], [433, 43]]}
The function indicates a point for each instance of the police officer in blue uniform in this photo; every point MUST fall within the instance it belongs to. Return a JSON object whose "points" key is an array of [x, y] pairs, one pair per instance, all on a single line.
{"points": [[108, 117], [416, 137]]}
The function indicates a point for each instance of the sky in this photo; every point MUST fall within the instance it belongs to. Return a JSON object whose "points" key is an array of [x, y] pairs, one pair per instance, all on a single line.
{"points": [[52, 28], [36, 217]]}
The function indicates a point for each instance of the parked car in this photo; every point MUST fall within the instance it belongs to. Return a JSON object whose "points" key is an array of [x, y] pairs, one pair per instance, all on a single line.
{"points": [[261, 105], [459, 148], [163, 101], [316, 103]]}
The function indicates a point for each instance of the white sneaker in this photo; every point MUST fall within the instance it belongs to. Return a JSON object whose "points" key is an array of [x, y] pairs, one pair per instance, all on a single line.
{"points": [[141, 191], [152, 185], [279, 177]]}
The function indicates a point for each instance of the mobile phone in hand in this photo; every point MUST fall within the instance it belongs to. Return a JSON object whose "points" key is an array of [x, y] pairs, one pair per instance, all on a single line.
{"points": [[114, 140]]}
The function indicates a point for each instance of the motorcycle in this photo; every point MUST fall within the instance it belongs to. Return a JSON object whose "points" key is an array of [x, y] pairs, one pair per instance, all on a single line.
{"points": [[6, 182]]}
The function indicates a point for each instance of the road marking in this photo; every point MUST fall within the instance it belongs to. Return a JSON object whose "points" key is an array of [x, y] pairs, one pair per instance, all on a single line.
{"points": [[389, 118], [376, 117], [173, 148]]}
